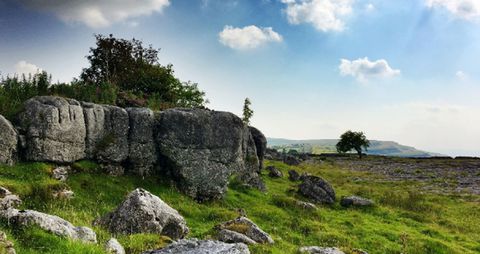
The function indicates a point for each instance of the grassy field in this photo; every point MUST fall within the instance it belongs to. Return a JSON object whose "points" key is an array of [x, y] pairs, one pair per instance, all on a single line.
{"points": [[403, 221]]}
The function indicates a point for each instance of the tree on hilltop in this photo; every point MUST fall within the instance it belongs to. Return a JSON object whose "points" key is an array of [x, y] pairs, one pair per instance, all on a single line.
{"points": [[352, 140]]}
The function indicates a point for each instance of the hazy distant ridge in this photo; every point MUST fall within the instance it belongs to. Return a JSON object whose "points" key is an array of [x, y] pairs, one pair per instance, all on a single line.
{"points": [[387, 148]]}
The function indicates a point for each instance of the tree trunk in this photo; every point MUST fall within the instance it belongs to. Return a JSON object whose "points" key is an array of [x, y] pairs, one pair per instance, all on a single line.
{"points": [[359, 151]]}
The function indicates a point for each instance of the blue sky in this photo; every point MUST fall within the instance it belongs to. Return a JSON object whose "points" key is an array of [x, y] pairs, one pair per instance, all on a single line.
{"points": [[399, 70]]}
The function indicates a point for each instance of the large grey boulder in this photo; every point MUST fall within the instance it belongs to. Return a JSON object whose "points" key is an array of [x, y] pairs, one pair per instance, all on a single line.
{"points": [[54, 129], [142, 154], [8, 142], [317, 189], [195, 246], [260, 144], [202, 149], [50, 223], [246, 227], [107, 130], [143, 212]]}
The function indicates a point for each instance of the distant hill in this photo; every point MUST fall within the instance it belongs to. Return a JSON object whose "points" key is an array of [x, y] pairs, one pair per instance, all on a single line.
{"points": [[317, 146]]}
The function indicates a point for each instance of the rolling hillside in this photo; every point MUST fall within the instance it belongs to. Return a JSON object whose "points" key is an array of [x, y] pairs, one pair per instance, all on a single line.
{"points": [[317, 146]]}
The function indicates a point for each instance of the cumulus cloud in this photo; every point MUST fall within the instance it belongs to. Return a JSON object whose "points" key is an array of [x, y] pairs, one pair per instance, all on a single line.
{"points": [[363, 69], [465, 9], [95, 13], [248, 37], [324, 15], [23, 67]]}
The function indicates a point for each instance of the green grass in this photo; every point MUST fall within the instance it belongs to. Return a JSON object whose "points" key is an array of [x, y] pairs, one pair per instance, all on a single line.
{"points": [[403, 221]]}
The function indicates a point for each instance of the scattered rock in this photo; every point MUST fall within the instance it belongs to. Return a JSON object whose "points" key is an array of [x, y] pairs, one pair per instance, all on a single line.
{"points": [[320, 250], [272, 154], [54, 128], [195, 246], [61, 173], [142, 154], [202, 149], [359, 251], [246, 227], [50, 223], [293, 175], [6, 247], [114, 247], [8, 142], [291, 160], [113, 169], [317, 189], [107, 133], [274, 172], [63, 194], [260, 144], [229, 236], [305, 205], [142, 212], [8, 200], [355, 201]]}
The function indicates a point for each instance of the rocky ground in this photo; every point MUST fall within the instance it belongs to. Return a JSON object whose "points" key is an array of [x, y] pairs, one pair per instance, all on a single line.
{"points": [[439, 175]]}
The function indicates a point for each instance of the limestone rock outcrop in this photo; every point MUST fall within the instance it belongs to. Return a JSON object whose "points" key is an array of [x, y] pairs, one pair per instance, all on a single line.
{"points": [[54, 128], [260, 144], [196, 246], [50, 223], [143, 212], [317, 189], [8, 142], [201, 149], [142, 152], [107, 130]]}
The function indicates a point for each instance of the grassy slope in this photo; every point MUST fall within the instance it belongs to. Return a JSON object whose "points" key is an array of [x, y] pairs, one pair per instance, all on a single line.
{"points": [[402, 221]]}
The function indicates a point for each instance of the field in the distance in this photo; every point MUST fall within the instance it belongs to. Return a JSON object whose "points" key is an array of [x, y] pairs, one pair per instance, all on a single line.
{"points": [[404, 220]]}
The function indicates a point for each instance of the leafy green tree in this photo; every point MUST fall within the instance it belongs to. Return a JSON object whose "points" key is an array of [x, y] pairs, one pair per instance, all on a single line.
{"points": [[247, 111], [140, 79], [351, 140]]}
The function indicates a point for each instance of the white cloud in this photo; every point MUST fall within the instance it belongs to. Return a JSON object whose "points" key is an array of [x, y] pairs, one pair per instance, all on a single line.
{"points": [[461, 75], [465, 9], [324, 15], [98, 14], [23, 67], [370, 7], [248, 37], [363, 69]]}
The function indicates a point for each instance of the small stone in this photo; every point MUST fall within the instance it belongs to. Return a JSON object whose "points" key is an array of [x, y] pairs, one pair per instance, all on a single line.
{"points": [[4, 192], [113, 169], [10, 201], [246, 227], [61, 173], [320, 250], [114, 247], [63, 194], [293, 175], [305, 205], [356, 201], [274, 172]]}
